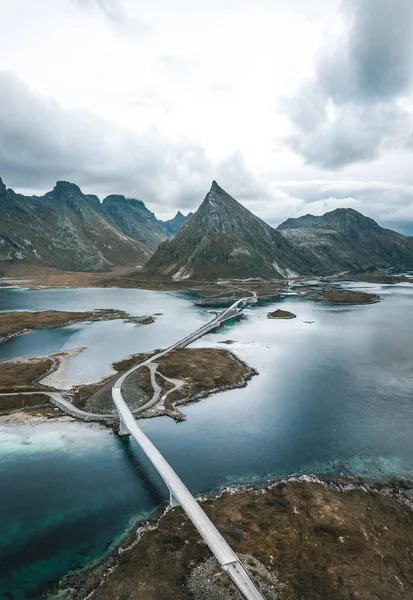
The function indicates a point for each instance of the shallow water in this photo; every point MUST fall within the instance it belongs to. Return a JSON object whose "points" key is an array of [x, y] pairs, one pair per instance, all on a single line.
{"points": [[333, 395], [105, 341]]}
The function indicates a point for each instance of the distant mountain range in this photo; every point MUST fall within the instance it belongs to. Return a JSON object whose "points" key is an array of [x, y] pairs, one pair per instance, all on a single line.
{"points": [[224, 239], [69, 230], [346, 240]]}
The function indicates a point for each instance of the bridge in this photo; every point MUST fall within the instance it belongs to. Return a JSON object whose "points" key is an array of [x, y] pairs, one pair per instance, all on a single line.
{"points": [[179, 493]]}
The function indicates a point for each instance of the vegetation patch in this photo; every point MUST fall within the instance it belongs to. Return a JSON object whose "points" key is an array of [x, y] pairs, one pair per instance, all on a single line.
{"points": [[310, 540], [281, 314], [16, 323], [203, 371], [331, 295], [22, 375]]}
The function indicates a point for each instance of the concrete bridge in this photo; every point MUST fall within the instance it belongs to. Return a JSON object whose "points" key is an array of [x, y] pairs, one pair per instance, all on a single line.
{"points": [[179, 493]]}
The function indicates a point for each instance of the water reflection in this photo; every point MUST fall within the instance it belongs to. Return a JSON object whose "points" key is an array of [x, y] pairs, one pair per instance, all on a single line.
{"points": [[333, 395]]}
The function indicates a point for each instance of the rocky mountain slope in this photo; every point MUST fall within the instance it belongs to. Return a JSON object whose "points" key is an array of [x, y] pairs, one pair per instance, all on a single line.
{"points": [[135, 220], [224, 239], [69, 230], [64, 229], [346, 240]]}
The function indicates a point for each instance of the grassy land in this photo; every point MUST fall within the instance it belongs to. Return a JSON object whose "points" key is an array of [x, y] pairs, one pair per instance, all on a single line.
{"points": [[281, 314], [22, 376], [378, 278], [14, 323], [202, 370], [312, 542], [332, 295]]}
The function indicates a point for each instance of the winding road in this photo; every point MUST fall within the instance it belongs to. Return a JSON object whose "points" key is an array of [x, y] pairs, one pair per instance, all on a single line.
{"points": [[179, 493]]}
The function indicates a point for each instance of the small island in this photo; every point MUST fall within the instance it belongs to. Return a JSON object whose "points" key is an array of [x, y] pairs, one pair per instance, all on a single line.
{"points": [[145, 320], [331, 295], [281, 314], [17, 323]]}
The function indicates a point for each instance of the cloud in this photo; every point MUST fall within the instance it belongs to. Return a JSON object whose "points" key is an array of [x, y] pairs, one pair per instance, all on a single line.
{"points": [[41, 142], [390, 204], [233, 175], [355, 106], [118, 19]]}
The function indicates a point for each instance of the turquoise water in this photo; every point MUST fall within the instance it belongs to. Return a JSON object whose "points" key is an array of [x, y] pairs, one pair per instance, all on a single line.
{"points": [[333, 396]]}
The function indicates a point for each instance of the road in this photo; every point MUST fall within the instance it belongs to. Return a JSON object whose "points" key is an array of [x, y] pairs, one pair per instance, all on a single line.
{"points": [[180, 494]]}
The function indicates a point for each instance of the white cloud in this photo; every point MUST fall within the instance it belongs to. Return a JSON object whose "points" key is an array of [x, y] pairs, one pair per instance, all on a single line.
{"points": [[156, 99]]}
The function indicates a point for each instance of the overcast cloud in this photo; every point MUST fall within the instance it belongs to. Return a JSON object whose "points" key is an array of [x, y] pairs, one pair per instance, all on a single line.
{"points": [[352, 110], [294, 107]]}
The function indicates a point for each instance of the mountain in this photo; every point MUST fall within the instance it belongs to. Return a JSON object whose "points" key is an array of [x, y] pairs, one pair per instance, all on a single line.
{"points": [[65, 229], [174, 225], [135, 220], [224, 239], [346, 240]]}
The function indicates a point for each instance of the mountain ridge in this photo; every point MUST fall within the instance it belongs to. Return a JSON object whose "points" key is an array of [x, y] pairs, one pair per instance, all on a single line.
{"points": [[69, 230], [345, 239]]}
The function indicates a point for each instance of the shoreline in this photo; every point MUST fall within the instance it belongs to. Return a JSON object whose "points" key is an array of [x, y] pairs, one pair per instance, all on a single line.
{"points": [[22, 322], [85, 582]]}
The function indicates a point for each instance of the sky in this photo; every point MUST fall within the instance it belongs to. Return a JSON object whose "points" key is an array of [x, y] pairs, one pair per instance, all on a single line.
{"points": [[294, 107]]}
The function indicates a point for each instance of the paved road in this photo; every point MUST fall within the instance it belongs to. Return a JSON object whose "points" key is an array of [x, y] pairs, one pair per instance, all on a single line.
{"points": [[224, 554]]}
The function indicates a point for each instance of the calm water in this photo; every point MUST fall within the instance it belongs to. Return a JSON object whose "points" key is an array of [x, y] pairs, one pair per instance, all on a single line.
{"points": [[106, 341], [334, 395]]}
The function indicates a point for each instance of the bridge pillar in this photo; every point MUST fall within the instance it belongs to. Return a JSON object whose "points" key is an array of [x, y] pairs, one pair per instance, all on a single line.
{"points": [[123, 430], [172, 500]]}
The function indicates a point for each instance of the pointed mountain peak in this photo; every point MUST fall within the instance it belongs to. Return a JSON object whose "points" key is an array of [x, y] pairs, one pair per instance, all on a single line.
{"points": [[217, 197], [178, 215]]}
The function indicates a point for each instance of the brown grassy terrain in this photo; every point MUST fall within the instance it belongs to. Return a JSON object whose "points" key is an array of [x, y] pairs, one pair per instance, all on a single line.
{"points": [[21, 376], [8, 403], [202, 370], [14, 323], [143, 380], [332, 295], [315, 543], [378, 278], [281, 314]]}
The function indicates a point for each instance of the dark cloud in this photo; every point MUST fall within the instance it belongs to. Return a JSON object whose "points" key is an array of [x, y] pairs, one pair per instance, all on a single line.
{"points": [[120, 22], [41, 142], [390, 204], [351, 111]]}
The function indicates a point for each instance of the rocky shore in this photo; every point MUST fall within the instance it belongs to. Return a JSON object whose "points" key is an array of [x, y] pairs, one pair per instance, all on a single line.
{"points": [[301, 537]]}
